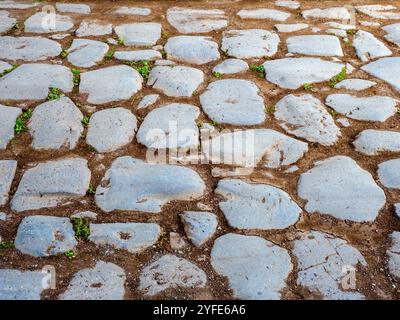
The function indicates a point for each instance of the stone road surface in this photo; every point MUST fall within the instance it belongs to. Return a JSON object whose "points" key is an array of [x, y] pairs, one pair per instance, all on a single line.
{"points": [[120, 128]]}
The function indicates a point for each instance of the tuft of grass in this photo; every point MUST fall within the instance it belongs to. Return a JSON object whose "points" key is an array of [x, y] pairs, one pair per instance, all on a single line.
{"points": [[54, 93], [216, 74], [332, 112], [4, 245], [70, 254], [143, 67], [259, 69], [339, 77], [81, 227], [85, 121], [8, 70], [270, 110], [90, 148], [20, 123], [17, 25], [63, 54], [110, 54], [77, 76], [165, 35], [351, 31], [199, 124], [120, 41], [91, 190], [215, 124], [307, 86]]}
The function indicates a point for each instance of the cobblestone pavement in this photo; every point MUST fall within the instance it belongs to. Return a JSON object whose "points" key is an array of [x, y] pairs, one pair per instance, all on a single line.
{"points": [[200, 150]]}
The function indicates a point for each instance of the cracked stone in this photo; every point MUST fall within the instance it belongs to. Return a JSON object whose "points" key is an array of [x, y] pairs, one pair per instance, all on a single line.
{"points": [[315, 45], [86, 53], [199, 226], [8, 116], [139, 34], [389, 173], [7, 172], [372, 142]]}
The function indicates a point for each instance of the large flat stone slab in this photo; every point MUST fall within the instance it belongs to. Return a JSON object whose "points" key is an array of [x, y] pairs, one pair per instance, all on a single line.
{"points": [[355, 84], [378, 11], [386, 69], [292, 73], [339, 187], [393, 33], [233, 101], [56, 124], [86, 53], [110, 84], [263, 13], [139, 34], [199, 226], [372, 142], [250, 43], [231, 66], [93, 27], [131, 184], [394, 255], [256, 268], [188, 20], [249, 148], [334, 13], [293, 27], [44, 236], [73, 8], [6, 22], [42, 22], [176, 81], [32, 81], [17, 5], [323, 261], [105, 281], [138, 55], [133, 237], [171, 272], [368, 47], [136, 11], [21, 285], [172, 126], [7, 172], [192, 49], [51, 184], [8, 116], [315, 45], [256, 206], [371, 108], [389, 173], [306, 117], [111, 129]]}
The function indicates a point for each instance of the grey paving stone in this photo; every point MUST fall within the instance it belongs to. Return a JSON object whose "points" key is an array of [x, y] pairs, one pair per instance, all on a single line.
{"points": [[389, 173], [56, 124], [20, 285], [323, 261], [263, 13], [86, 53], [17, 5], [85, 214], [137, 185], [53, 183], [92, 27], [199, 226], [397, 209], [138, 55], [231, 66], [256, 206], [7, 172], [148, 100], [256, 268], [73, 8], [291, 27], [233, 101], [3, 216], [371, 108], [355, 84], [266, 147], [192, 49], [250, 43], [32, 81], [372, 142], [111, 129], [133, 237], [110, 84], [339, 187], [393, 33], [28, 48], [368, 47], [386, 69], [378, 11], [6, 22], [44, 236], [105, 281], [8, 116], [176, 81], [139, 34], [306, 117], [172, 126], [171, 272], [188, 20], [132, 11], [291, 4], [4, 66], [292, 73], [42, 22], [334, 13], [315, 45], [394, 255]]}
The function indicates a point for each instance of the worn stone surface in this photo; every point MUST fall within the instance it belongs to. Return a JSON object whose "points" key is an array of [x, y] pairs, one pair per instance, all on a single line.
{"points": [[73, 8], [170, 272], [339, 187], [177, 81], [172, 126], [378, 11], [394, 255], [89, 28], [43, 236], [8, 116], [53, 183], [355, 84], [139, 34], [199, 226], [372, 142], [231, 66], [269, 14], [6, 22], [321, 260], [111, 129], [334, 13], [133, 237], [291, 4], [56, 124], [256, 268], [32, 81], [315, 45], [132, 11], [105, 281], [138, 55], [385, 69], [306, 117], [20, 285], [251, 43], [389, 173], [368, 47], [9, 4], [137, 185], [192, 49], [86, 53], [41, 22], [291, 27], [110, 84], [393, 33], [148, 100], [7, 172], [256, 206]]}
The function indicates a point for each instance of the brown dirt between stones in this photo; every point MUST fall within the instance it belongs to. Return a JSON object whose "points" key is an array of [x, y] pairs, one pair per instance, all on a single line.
{"points": [[370, 238]]}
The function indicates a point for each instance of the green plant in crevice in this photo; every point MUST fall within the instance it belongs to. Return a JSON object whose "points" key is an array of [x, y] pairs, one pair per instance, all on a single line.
{"points": [[70, 254], [20, 122], [143, 67], [120, 41], [91, 190], [63, 54], [54, 93], [259, 69], [110, 54], [14, 66], [216, 74], [270, 110], [85, 121], [338, 77], [307, 86], [81, 227], [76, 76]]}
